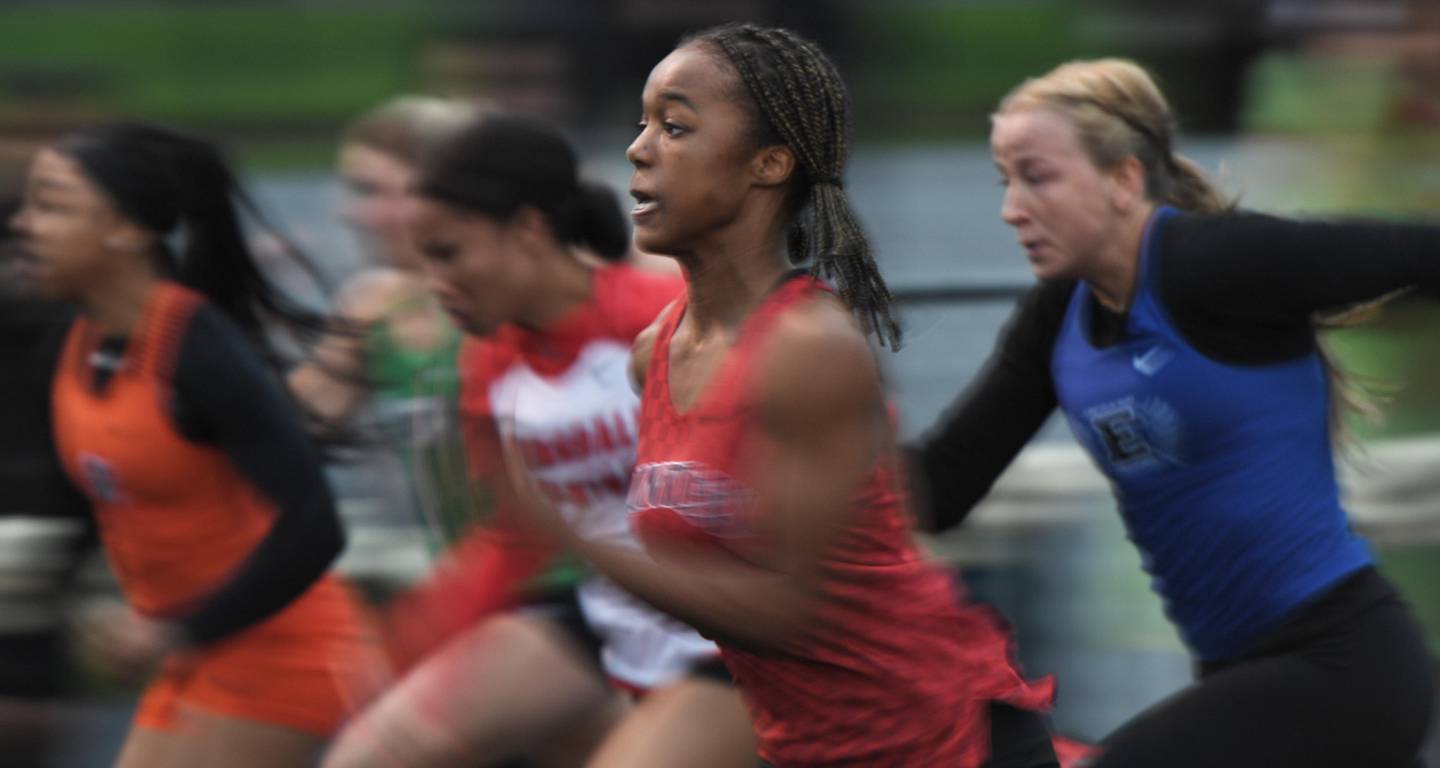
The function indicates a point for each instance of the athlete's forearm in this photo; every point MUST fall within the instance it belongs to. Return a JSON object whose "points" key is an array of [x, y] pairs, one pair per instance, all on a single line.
{"points": [[954, 464], [726, 600], [1250, 267], [293, 555], [481, 575], [230, 399]]}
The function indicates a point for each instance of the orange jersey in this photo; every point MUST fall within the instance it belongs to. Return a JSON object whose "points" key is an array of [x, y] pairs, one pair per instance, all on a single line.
{"points": [[177, 519]]}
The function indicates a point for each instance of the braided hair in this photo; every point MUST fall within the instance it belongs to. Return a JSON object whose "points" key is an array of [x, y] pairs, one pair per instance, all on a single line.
{"points": [[796, 98]]}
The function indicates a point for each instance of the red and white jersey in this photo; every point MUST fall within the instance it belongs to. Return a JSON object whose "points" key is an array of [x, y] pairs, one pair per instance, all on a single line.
{"points": [[564, 396], [576, 429], [903, 670]]}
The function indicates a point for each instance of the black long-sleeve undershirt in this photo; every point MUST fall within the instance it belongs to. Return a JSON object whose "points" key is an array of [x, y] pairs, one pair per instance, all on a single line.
{"points": [[1243, 288], [226, 396]]}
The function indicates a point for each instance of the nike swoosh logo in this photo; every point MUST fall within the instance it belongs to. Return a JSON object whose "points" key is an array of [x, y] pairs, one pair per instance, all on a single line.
{"points": [[1152, 361]]}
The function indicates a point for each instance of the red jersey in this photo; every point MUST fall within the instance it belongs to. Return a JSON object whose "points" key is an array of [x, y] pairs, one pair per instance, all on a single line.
{"points": [[563, 392], [564, 395], [909, 678]]}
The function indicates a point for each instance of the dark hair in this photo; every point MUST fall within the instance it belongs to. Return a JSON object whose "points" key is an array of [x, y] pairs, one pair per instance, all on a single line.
{"points": [[797, 98], [500, 164], [178, 186]]}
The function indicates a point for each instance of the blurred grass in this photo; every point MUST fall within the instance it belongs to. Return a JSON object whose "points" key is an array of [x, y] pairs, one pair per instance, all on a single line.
{"points": [[1316, 94], [265, 72], [1389, 360], [937, 71]]}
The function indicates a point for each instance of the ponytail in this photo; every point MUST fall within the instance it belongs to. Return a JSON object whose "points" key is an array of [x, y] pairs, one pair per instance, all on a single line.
{"points": [[1190, 189], [596, 222], [180, 188], [501, 163], [829, 237]]}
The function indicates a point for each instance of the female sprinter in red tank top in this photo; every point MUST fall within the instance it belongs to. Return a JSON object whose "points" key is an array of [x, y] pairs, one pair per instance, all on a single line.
{"points": [[765, 487], [498, 219], [210, 499]]}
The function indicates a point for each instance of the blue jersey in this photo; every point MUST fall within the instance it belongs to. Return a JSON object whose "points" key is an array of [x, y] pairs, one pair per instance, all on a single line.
{"points": [[1224, 473]]}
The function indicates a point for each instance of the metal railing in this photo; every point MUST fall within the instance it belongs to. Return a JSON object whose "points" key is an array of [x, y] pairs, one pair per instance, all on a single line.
{"points": [[958, 293]]}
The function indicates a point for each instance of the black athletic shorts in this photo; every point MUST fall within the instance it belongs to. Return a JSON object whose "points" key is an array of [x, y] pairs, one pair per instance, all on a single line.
{"points": [[562, 608], [1346, 682]]}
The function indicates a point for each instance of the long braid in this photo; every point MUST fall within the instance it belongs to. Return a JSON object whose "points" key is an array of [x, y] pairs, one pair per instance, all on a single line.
{"points": [[800, 101]]}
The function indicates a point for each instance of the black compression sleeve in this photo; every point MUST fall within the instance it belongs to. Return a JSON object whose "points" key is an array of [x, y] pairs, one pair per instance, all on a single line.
{"points": [[1243, 287], [954, 464], [228, 397]]}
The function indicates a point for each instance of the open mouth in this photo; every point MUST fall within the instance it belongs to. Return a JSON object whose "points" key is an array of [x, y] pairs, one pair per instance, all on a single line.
{"points": [[22, 259], [645, 204]]}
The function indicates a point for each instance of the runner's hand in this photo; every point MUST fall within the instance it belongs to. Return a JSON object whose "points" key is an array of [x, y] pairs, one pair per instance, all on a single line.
{"points": [[531, 504], [124, 643]]}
